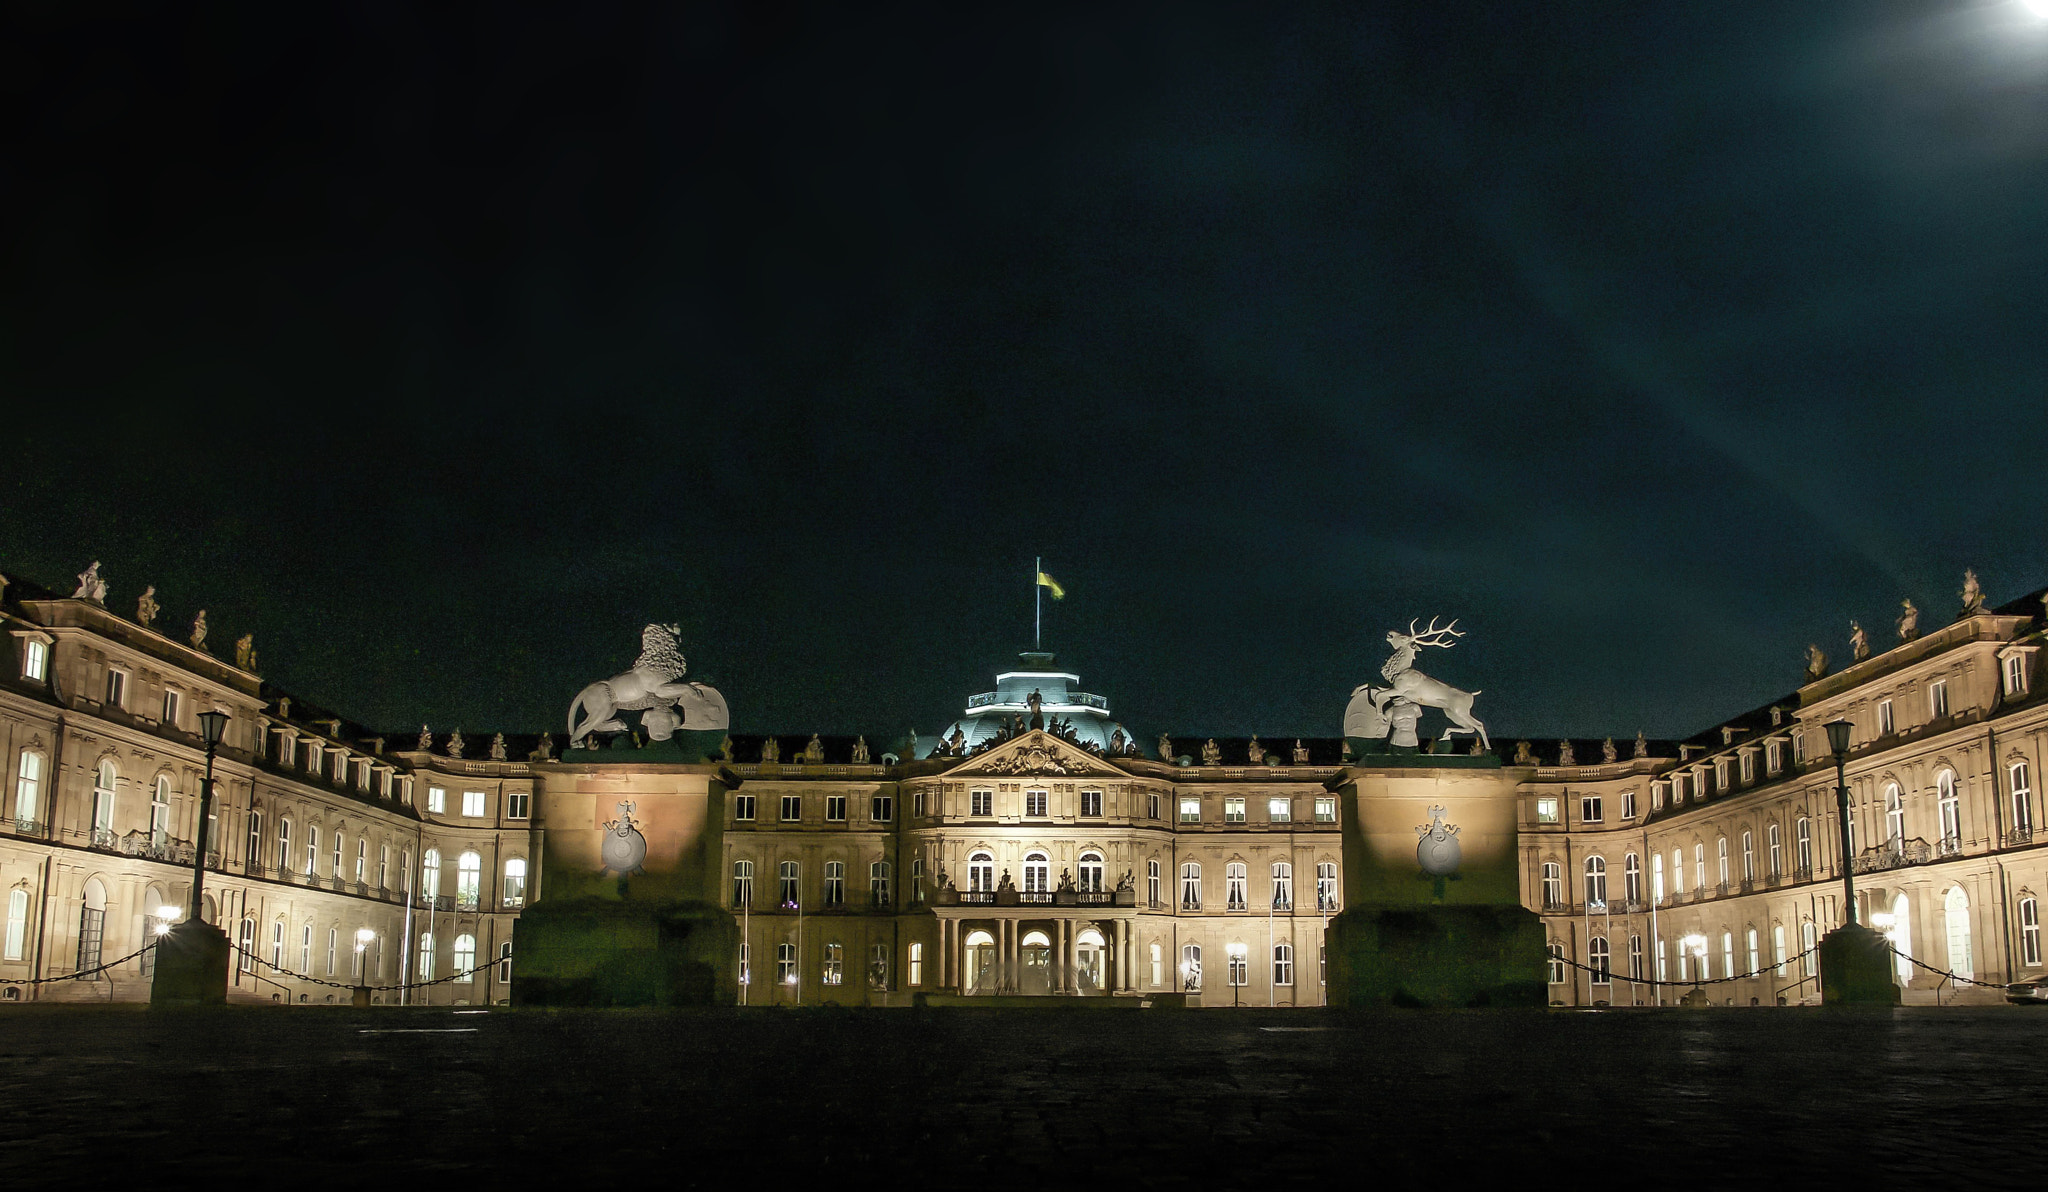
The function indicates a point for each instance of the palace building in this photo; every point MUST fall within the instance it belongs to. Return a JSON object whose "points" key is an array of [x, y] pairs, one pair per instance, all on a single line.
{"points": [[1035, 847]]}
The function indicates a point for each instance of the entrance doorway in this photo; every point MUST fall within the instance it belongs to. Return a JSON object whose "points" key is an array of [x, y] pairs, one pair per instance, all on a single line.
{"points": [[1036, 979], [1089, 963], [978, 971]]}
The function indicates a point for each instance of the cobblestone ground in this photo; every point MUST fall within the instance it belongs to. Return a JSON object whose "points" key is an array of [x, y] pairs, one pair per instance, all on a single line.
{"points": [[971, 1098]]}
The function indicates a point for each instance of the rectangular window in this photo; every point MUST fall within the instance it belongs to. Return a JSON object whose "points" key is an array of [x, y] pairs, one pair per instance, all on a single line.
{"points": [[1152, 805], [2022, 800], [17, 922], [1774, 757], [313, 757], [2030, 932], [1546, 810], [835, 964], [437, 800], [1233, 811], [881, 808], [1091, 804], [473, 804], [35, 657], [1326, 810], [1886, 724], [1191, 811], [1589, 809], [117, 690], [792, 808], [2015, 675], [1749, 767], [1191, 887], [504, 963], [743, 807], [1283, 964], [917, 803], [1628, 805], [1937, 700], [1326, 885], [516, 804], [1279, 811], [982, 803], [1034, 803], [835, 809], [1798, 749], [172, 703], [916, 965]]}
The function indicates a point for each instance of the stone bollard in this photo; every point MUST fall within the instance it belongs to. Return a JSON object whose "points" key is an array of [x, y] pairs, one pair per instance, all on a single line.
{"points": [[191, 966], [359, 997], [1856, 969]]}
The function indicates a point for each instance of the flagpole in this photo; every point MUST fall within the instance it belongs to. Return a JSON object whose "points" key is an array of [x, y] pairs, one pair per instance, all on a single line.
{"points": [[1037, 602]]}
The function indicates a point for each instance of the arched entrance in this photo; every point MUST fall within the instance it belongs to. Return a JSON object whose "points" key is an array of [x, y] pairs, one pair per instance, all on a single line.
{"points": [[1089, 961], [1036, 957], [978, 970], [1956, 910]]}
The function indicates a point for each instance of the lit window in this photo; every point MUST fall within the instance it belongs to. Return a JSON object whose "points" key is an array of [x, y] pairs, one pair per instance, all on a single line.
{"points": [[878, 883], [792, 808], [1326, 885], [743, 883], [2022, 801], [981, 873], [117, 688], [465, 959], [105, 779], [1727, 955], [1326, 810], [1240, 964], [1598, 959], [35, 657], [1034, 803], [916, 964], [473, 804], [430, 873], [253, 854], [1157, 956], [1091, 804], [1191, 811], [1234, 883], [437, 800], [17, 922], [1748, 855], [1661, 971], [469, 880], [787, 880], [1037, 873], [1721, 861], [1091, 872], [2030, 933], [835, 809], [1283, 964], [1937, 699], [1803, 836], [835, 964], [1283, 886], [516, 804], [1279, 811], [515, 882], [1632, 878], [312, 849], [1233, 811], [1657, 878], [1774, 846], [1546, 810], [1590, 809], [246, 944], [881, 808], [1749, 937], [1191, 886], [1596, 882], [785, 964], [28, 790], [1699, 864], [1778, 947], [1191, 967], [1553, 885], [1808, 937], [743, 807], [835, 883], [277, 945], [160, 811], [981, 803], [1886, 723], [284, 844]]}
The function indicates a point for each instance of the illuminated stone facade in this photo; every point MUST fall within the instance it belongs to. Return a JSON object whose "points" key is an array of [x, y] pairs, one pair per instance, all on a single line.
{"points": [[1027, 862]]}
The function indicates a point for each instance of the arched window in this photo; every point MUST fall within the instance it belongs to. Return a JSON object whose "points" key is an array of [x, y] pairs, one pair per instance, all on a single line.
{"points": [[1951, 810], [92, 924], [1191, 886], [743, 883], [284, 845], [1727, 954], [313, 850], [334, 865], [306, 950], [246, 941], [469, 880], [1956, 911], [1900, 936], [1802, 837], [103, 804], [1191, 967], [1632, 878], [1894, 817], [17, 922], [160, 812], [787, 878], [465, 959], [277, 945], [333, 946], [1721, 860], [1037, 873], [515, 881], [835, 964], [1748, 855], [1749, 935], [1677, 872], [362, 857], [426, 956], [253, 856], [1657, 878], [1553, 885], [1635, 957], [1596, 882], [1152, 881], [878, 883], [785, 964], [2030, 932], [1326, 885], [1235, 879], [1283, 964], [835, 883], [1556, 964], [916, 965], [1778, 948], [1807, 942], [430, 873], [1775, 850], [1091, 871], [981, 872], [1598, 959], [1283, 886], [28, 790], [1699, 863]]}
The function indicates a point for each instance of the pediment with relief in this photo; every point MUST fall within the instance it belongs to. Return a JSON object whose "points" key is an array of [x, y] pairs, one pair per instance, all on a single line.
{"points": [[1036, 753]]}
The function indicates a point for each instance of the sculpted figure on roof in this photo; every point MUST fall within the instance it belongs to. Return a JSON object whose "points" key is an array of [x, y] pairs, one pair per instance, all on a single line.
{"points": [[1909, 621], [1972, 594], [656, 681], [1859, 642]]}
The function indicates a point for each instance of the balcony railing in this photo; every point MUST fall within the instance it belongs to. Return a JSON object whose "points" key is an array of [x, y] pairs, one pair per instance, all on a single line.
{"points": [[1095, 897], [978, 897], [2018, 836], [1036, 896]]}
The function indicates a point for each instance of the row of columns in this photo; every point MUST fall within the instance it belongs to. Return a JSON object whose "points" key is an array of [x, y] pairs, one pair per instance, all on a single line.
{"points": [[1065, 938]]}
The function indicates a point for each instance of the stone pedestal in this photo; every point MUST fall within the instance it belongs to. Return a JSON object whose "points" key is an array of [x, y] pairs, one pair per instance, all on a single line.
{"points": [[603, 952], [191, 966], [1442, 956], [1856, 969]]}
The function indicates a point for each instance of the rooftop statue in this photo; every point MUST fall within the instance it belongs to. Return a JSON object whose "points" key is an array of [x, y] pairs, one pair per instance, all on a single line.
{"points": [[1165, 748], [1523, 757], [245, 652], [1607, 750], [90, 585], [655, 682], [147, 607], [1973, 595], [860, 751], [498, 747], [771, 751], [1859, 643], [1564, 754], [1816, 663], [814, 752], [198, 638], [426, 742], [1642, 746], [1255, 753], [455, 743], [1373, 710], [1300, 753], [545, 750], [1212, 754], [1909, 621]]}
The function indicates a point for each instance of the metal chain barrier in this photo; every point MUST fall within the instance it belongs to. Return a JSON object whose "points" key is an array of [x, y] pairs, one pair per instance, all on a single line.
{"points": [[285, 972], [1616, 979], [82, 974], [1958, 979]]}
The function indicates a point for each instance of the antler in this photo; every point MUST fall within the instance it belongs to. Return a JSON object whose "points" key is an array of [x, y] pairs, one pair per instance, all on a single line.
{"points": [[1433, 636]]}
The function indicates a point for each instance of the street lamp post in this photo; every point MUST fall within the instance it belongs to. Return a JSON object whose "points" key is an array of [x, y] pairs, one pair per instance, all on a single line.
{"points": [[1695, 944], [212, 726], [192, 956], [360, 995], [1838, 744]]}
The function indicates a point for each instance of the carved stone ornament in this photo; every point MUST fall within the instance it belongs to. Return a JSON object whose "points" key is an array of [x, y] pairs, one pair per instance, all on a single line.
{"points": [[1212, 753], [814, 753], [1642, 746], [198, 638], [1300, 753], [624, 848], [1255, 753], [1909, 621], [1564, 754], [90, 585], [1859, 643], [1165, 748], [146, 608], [771, 751], [245, 652], [426, 741], [543, 750], [860, 751], [1372, 712], [1607, 750], [1972, 593], [1031, 759], [1816, 662], [654, 687], [455, 743], [1437, 849], [1523, 755], [498, 747]]}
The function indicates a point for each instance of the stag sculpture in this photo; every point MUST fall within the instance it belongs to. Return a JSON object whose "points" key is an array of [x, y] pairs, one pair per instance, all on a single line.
{"points": [[1370, 706]]}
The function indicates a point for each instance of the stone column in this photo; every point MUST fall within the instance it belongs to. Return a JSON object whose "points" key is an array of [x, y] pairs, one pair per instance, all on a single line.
{"points": [[1123, 955], [1072, 952]]}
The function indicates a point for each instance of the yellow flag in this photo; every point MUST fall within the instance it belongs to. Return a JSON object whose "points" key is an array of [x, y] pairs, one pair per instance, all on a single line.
{"points": [[1046, 581]]}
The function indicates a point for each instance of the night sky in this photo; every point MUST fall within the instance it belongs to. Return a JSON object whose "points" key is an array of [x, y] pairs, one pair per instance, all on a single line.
{"points": [[444, 349]]}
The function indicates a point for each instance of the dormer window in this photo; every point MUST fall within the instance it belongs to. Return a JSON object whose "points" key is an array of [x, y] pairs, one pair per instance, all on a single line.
{"points": [[1774, 757], [287, 748], [35, 657], [1657, 795], [1798, 748], [1748, 767], [312, 757], [2015, 675]]}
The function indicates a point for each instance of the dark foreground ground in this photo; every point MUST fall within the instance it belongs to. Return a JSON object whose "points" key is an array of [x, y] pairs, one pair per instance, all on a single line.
{"points": [[978, 1099]]}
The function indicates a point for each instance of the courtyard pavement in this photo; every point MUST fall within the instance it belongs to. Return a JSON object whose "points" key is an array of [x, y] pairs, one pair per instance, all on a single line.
{"points": [[302, 1097]]}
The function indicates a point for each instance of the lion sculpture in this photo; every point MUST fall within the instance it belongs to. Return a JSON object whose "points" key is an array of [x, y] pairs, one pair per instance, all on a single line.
{"points": [[654, 688]]}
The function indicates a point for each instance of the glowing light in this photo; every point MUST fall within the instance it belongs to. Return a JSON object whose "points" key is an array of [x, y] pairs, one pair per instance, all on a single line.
{"points": [[2039, 8], [162, 929], [167, 913]]}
